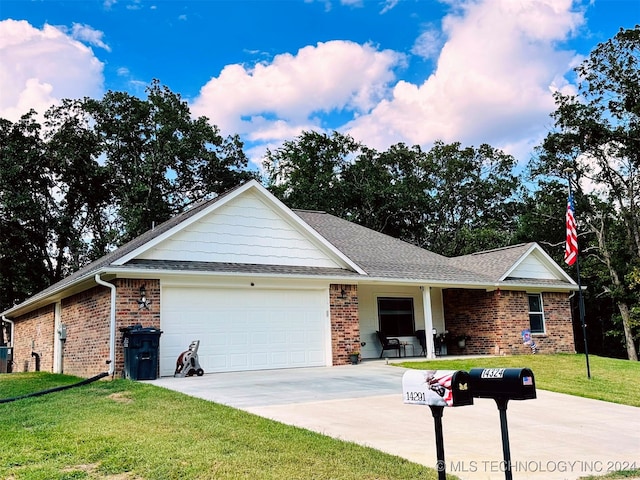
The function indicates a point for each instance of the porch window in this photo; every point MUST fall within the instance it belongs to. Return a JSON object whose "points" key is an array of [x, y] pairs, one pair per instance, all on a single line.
{"points": [[395, 316], [536, 313]]}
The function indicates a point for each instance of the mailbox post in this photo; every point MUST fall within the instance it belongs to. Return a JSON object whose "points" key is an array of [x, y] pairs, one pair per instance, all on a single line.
{"points": [[437, 389], [503, 384]]}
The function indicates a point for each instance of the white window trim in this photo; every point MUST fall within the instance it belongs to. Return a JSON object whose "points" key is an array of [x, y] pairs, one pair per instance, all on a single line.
{"points": [[541, 312]]}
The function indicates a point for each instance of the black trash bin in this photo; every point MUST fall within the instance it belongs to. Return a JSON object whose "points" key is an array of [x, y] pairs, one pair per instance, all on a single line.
{"points": [[141, 346], [6, 359]]}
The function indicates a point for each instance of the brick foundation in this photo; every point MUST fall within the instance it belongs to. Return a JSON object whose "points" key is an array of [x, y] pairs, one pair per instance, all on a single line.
{"points": [[345, 322]]}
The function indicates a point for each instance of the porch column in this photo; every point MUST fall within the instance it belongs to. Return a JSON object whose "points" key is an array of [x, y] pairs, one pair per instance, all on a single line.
{"points": [[428, 321]]}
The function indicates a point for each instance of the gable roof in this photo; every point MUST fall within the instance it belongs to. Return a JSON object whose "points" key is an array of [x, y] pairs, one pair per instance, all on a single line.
{"points": [[360, 254], [278, 213], [510, 263]]}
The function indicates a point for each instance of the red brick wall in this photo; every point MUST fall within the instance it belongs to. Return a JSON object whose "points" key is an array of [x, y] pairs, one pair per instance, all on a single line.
{"points": [[345, 323], [87, 318], [472, 313], [557, 316], [494, 322], [129, 313], [34, 333]]}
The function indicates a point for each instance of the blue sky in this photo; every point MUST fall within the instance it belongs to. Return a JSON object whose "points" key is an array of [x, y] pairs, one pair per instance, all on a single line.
{"points": [[412, 71]]}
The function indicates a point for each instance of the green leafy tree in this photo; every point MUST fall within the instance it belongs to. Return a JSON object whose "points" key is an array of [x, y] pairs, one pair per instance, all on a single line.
{"points": [[307, 172], [597, 134], [25, 205], [159, 159], [99, 173], [82, 230], [384, 191], [452, 200], [473, 195]]}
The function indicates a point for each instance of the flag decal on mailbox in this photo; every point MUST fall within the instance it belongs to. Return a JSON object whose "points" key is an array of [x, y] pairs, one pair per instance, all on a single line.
{"points": [[527, 380]]}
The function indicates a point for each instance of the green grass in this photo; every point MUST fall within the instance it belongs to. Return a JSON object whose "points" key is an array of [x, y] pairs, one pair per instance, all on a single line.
{"points": [[123, 430], [612, 380], [127, 430]]}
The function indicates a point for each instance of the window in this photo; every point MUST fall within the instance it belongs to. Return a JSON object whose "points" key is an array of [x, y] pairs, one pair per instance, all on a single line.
{"points": [[536, 313], [395, 316]]}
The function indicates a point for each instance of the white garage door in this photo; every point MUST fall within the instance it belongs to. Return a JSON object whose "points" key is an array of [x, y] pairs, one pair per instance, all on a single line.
{"points": [[244, 329]]}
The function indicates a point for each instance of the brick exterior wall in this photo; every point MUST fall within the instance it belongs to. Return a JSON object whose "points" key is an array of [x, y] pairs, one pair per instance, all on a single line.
{"points": [[345, 322], [34, 333], [87, 318], [128, 312], [494, 322]]}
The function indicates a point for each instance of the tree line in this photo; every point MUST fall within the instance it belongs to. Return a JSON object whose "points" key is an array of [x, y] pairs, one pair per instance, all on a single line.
{"points": [[98, 172]]}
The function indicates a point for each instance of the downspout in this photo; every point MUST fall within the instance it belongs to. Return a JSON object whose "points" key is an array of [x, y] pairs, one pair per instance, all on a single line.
{"points": [[112, 330], [10, 322]]}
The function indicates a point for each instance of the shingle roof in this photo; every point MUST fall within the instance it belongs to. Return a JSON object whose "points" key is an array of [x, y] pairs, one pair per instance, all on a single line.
{"points": [[379, 255], [223, 267], [494, 263], [383, 256]]}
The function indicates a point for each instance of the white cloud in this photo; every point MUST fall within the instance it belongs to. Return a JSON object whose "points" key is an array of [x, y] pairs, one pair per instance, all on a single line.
{"points": [[39, 67], [428, 44], [492, 82], [89, 35], [331, 76], [389, 5]]}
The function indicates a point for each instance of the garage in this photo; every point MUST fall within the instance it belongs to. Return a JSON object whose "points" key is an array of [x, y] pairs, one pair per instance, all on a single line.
{"points": [[245, 329]]}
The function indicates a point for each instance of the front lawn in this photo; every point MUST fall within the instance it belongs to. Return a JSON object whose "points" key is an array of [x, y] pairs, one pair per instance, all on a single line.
{"points": [[127, 430], [612, 380]]}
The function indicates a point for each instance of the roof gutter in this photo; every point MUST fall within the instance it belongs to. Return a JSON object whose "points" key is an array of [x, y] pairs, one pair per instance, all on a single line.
{"points": [[112, 319]]}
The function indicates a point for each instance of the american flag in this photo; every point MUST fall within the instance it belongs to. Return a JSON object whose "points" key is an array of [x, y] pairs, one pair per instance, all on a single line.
{"points": [[571, 248]]}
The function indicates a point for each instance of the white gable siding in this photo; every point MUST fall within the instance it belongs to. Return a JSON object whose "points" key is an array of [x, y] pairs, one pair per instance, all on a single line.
{"points": [[533, 267], [245, 230]]}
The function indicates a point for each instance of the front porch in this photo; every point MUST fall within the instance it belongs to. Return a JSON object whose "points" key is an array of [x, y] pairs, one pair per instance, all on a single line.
{"points": [[490, 321]]}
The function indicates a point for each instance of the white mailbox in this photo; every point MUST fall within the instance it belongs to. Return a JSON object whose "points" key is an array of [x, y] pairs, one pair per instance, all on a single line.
{"points": [[438, 388]]}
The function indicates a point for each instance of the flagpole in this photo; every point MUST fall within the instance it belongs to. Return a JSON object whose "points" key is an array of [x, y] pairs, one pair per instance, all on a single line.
{"points": [[569, 172]]}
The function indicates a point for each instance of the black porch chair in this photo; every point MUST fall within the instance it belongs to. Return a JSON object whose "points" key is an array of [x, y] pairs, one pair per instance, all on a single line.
{"points": [[389, 343], [422, 338]]}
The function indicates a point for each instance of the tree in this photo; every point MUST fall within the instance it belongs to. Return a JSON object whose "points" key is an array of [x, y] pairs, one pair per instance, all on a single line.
{"points": [[25, 205], [451, 200], [597, 133], [99, 173], [384, 191], [307, 172], [159, 159], [473, 196], [81, 230]]}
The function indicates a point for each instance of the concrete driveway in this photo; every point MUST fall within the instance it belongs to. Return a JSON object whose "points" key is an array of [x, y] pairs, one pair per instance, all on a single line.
{"points": [[552, 437]]}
